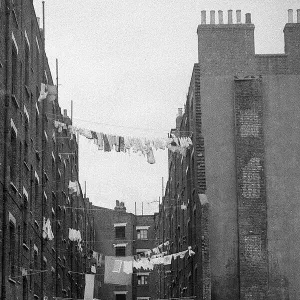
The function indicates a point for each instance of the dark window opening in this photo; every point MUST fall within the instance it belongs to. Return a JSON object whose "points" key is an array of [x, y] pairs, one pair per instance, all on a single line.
{"points": [[12, 248], [120, 251], [120, 232], [14, 75], [13, 161], [142, 234], [142, 279]]}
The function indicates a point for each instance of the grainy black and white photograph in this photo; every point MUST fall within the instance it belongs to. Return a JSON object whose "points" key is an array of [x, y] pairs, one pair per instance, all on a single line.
{"points": [[149, 150]]}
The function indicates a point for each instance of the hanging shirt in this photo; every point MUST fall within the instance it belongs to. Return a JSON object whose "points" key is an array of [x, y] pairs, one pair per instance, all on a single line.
{"points": [[89, 287]]}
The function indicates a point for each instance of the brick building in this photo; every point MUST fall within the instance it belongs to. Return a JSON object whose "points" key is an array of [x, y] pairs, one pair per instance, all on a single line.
{"points": [[119, 233], [240, 179], [37, 161]]}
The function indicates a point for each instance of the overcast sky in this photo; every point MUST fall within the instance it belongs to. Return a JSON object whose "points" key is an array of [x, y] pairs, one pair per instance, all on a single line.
{"points": [[127, 66]]}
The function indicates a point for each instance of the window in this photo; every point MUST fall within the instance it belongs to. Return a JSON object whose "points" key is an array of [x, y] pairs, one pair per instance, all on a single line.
{"points": [[142, 234], [25, 288], [36, 286], [120, 232], [142, 279], [12, 248], [14, 67], [120, 251], [27, 66], [25, 216], [13, 157]]}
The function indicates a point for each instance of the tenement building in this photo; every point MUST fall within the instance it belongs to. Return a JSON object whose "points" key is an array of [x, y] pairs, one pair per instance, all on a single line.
{"points": [[122, 237], [38, 160], [234, 196]]}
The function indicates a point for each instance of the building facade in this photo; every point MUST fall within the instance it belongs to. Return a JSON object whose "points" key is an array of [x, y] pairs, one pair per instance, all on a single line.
{"points": [[239, 181], [37, 162], [121, 234]]}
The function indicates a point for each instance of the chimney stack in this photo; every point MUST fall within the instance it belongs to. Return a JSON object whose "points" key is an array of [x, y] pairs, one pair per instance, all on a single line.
{"points": [[248, 18], [212, 17], [179, 112], [230, 16], [238, 16], [220, 16], [203, 17], [298, 15], [290, 16]]}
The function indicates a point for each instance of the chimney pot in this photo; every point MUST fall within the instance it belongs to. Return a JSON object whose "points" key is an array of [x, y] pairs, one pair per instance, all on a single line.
{"points": [[179, 112], [230, 16], [248, 18], [298, 15], [290, 16], [38, 21], [220, 16], [203, 17], [212, 17], [117, 203], [238, 16], [65, 112]]}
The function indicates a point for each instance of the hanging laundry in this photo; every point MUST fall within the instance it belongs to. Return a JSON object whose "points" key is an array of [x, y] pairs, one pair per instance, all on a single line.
{"points": [[121, 144], [157, 260], [93, 269], [89, 287], [47, 231], [100, 142], [168, 259], [183, 207], [113, 277], [203, 199], [127, 267], [150, 156], [117, 266], [74, 187], [74, 235], [191, 252], [106, 143], [52, 92], [143, 263], [43, 92]]}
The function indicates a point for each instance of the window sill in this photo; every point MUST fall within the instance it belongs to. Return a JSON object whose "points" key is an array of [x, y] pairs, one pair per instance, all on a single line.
{"points": [[26, 165], [27, 90], [14, 98], [13, 187], [11, 280]]}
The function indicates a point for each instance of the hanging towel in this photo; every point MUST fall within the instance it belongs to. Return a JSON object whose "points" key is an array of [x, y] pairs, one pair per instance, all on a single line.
{"points": [[168, 259], [106, 143], [119, 278], [43, 93], [150, 156], [100, 140], [89, 287], [52, 92], [127, 267]]}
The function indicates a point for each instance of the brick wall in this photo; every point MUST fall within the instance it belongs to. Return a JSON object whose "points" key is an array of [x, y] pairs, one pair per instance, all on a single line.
{"points": [[251, 190], [38, 189]]}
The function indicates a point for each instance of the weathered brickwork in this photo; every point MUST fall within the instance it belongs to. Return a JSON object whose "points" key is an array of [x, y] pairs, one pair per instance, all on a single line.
{"points": [[183, 219], [107, 239], [36, 163], [252, 207]]}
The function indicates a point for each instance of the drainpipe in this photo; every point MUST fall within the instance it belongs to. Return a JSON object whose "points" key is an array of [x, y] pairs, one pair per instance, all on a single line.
{"points": [[6, 130]]}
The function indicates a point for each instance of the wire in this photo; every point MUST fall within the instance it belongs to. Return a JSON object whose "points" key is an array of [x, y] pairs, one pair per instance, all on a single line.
{"points": [[121, 126]]}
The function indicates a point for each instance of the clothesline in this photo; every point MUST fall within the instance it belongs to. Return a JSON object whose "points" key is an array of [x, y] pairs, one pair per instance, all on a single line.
{"points": [[122, 126], [145, 146]]}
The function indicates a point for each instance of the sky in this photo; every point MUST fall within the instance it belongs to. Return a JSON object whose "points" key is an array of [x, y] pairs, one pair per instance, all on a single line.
{"points": [[126, 65]]}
